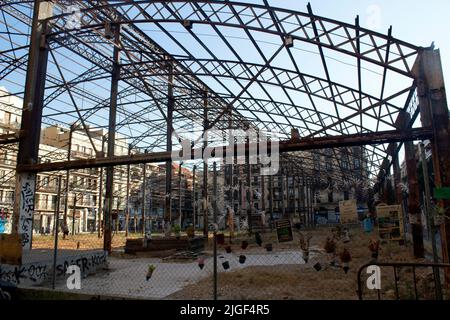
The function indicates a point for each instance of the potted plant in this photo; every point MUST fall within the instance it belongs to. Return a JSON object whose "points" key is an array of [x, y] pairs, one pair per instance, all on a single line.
{"points": [[150, 270], [269, 247], [201, 262], [177, 231], [244, 245], [190, 231], [330, 245], [242, 259], [345, 259], [258, 239], [226, 265], [228, 249]]}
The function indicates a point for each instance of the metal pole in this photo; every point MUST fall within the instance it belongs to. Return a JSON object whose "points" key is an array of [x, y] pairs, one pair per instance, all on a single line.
{"points": [[283, 210], [205, 165], [144, 195], [194, 198], [413, 200], [431, 228], [66, 199], [170, 107], [55, 250], [271, 197], [100, 194], [215, 227], [109, 189], [179, 193], [73, 213], [249, 194], [127, 199]]}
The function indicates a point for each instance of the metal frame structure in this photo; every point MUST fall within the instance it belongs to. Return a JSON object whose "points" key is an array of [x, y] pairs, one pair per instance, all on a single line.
{"points": [[147, 84]]}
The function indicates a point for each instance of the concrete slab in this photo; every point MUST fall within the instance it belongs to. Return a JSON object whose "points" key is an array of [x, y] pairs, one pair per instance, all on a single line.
{"points": [[37, 266]]}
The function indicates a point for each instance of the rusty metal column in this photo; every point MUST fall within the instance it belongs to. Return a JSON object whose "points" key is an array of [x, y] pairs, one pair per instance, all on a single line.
{"points": [[127, 200], [263, 192], [66, 198], [22, 219], [194, 197], [397, 177], [249, 193], [144, 196], [205, 165], [100, 194], [413, 199], [214, 202], [179, 193], [170, 106], [109, 188], [282, 191], [435, 114]]}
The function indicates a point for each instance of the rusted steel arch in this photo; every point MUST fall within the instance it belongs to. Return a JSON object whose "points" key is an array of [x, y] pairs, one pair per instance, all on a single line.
{"points": [[283, 22]]}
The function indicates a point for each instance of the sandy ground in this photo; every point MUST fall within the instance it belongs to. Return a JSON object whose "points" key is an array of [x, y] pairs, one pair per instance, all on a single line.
{"points": [[280, 274], [126, 277]]}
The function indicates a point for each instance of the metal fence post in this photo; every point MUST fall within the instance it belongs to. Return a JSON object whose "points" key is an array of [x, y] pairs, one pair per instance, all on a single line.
{"points": [[55, 250]]}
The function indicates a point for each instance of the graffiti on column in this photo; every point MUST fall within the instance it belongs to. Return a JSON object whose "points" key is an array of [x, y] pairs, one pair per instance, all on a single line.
{"points": [[26, 209]]}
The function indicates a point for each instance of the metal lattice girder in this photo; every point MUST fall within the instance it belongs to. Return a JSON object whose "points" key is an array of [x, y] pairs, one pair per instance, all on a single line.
{"points": [[240, 90]]}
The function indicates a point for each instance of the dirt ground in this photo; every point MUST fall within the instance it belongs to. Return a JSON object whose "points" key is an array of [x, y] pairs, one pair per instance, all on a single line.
{"points": [[269, 279], [80, 241], [304, 282]]}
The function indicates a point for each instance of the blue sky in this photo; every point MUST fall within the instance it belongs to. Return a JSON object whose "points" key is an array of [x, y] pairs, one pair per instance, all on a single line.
{"points": [[416, 21]]}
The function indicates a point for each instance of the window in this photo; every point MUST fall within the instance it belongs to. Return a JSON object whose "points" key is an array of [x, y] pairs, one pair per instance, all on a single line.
{"points": [[7, 117]]}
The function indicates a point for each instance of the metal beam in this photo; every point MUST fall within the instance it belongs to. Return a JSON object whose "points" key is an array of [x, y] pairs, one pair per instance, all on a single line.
{"points": [[109, 189], [372, 138]]}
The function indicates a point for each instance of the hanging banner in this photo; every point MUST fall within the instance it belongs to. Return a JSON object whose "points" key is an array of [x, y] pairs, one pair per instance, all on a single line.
{"points": [[348, 211]]}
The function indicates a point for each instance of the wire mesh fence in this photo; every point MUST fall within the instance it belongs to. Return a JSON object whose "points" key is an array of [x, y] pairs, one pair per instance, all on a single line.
{"points": [[264, 264]]}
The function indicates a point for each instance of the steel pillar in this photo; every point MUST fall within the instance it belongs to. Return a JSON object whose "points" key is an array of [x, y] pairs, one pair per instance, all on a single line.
{"points": [[25, 192], [179, 195], [100, 194], [205, 165], [127, 200], [194, 196], [144, 196], [66, 198], [434, 113], [413, 199], [170, 106], [109, 188]]}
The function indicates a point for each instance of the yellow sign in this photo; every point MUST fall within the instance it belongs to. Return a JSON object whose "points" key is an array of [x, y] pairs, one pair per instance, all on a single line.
{"points": [[348, 211]]}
